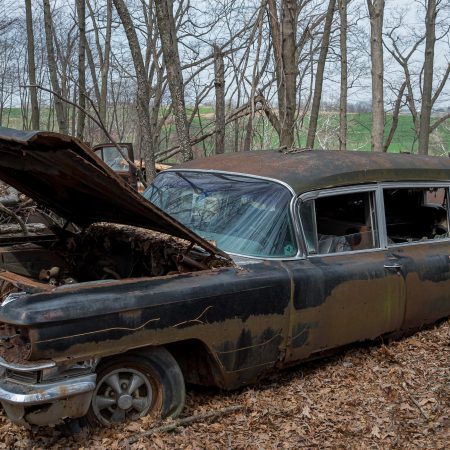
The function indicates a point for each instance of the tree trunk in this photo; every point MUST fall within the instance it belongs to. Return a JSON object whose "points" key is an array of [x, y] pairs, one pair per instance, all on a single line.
{"points": [[51, 59], [105, 66], [376, 13], [290, 69], [315, 108], [143, 89], [395, 114], [220, 100], [285, 55], [344, 76], [81, 117], [35, 119], [236, 146], [169, 44], [428, 65], [281, 81]]}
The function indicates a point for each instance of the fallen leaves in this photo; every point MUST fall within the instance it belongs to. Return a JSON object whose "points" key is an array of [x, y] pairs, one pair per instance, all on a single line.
{"points": [[396, 395]]}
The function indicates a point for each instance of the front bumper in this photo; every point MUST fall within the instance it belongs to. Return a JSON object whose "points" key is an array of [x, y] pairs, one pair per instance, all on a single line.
{"points": [[45, 403]]}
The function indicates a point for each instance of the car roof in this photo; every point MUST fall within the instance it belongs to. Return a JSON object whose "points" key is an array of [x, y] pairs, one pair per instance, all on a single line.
{"points": [[307, 170]]}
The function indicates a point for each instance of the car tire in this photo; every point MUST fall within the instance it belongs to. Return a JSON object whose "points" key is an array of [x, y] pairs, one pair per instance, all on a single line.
{"points": [[136, 385]]}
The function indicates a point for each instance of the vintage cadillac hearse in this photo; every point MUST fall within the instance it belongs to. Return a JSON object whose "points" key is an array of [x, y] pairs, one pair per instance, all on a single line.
{"points": [[229, 267]]}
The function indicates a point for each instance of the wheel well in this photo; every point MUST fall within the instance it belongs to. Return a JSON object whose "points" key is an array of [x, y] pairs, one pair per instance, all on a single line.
{"points": [[196, 362]]}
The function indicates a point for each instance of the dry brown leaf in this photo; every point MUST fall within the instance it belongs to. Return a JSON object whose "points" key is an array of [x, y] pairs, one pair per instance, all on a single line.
{"points": [[322, 404]]}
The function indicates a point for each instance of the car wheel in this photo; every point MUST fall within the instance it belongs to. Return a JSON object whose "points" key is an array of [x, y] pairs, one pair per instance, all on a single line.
{"points": [[135, 385]]}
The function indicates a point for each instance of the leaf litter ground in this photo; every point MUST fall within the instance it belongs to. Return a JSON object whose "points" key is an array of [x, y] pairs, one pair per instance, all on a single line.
{"points": [[378, 396]]}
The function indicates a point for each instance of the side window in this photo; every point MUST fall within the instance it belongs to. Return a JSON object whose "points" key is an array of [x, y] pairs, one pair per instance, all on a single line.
{"points": [[340, 223], [416, 214]]}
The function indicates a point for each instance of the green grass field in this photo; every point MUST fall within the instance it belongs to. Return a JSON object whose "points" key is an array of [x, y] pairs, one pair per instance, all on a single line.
{"points": [[359, 126], [359, 129]]}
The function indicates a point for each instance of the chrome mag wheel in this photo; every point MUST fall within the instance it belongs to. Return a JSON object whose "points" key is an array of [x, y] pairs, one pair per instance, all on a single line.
{"points": [[123, 394]]}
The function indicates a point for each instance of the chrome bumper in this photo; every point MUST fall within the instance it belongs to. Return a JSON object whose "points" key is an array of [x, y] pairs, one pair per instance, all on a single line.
{"points": [[44, 403]]}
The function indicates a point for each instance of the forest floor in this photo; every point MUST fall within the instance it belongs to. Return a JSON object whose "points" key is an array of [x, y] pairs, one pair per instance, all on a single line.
{"points": [[371, 396]]}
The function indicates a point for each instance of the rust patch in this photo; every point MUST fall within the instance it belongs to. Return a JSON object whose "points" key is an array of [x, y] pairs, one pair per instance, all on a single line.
{"points": [[24, 283], [14, 344], [349, 314]]}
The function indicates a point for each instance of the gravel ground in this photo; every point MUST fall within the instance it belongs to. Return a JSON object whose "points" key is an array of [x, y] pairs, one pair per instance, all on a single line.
{"points": [[380, 396]]}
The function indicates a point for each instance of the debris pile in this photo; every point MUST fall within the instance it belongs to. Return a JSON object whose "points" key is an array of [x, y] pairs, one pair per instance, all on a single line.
{"points": [[17, 212]]}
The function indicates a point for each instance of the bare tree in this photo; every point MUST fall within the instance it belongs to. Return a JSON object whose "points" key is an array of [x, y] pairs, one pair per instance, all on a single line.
{"points": [[103, 48], [143, 89], [428, 66], [169, 44], [104, 67], [219, 84], [344, 76], [376, 14], [420, 77], [314, 117], [395, 113], [285, 54], [52, 68], [35, 113], [81, 117]]}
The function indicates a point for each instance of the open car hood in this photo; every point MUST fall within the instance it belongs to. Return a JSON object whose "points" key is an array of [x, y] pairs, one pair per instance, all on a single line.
{"points": [[66, 176]]}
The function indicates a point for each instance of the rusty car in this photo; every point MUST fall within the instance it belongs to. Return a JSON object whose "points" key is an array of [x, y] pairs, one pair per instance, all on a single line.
{"points": [[226, 269]]}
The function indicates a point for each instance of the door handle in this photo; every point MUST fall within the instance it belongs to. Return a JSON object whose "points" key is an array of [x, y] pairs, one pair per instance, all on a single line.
{"points": [[393, 266]]}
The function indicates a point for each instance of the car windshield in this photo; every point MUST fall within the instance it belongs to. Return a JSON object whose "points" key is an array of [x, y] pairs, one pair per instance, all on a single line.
{"points": [[241, 215]]}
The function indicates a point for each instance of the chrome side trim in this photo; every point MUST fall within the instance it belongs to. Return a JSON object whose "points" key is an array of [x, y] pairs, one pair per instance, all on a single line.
{"points": [[329, 192], [267, 258], [239, 174], [35, 394], [381, 218], [414, 184], [27, 367], [349, 252]]}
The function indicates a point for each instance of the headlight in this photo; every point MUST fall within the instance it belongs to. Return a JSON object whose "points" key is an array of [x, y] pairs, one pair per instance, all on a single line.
{"points": [[12, 297], [68, 370]]}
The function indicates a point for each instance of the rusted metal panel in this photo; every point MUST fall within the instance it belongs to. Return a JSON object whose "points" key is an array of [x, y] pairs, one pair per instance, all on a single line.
{"points": [[319, 169], [425, 268], [64, 174], [240, 315], [24, 283], [342, 299]]}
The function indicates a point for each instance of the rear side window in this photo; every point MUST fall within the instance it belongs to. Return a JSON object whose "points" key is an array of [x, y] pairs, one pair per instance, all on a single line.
{"points": [[416, 214], [340, 223]]}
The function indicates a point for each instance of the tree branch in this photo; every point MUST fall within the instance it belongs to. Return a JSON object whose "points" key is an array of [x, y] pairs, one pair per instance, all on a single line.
{"points": [[97, 121]]}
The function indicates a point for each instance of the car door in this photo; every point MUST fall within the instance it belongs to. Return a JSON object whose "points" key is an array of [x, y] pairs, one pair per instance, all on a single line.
{"points": [[347, 288], [111, 156], [417, 227]]}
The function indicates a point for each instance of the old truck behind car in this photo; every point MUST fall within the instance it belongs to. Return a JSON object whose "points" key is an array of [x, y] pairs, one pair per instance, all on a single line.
{"points": [[119, 161], [229, 268]]}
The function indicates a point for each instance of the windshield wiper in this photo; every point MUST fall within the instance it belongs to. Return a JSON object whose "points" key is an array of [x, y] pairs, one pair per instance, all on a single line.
{"points": [[197, 189]]}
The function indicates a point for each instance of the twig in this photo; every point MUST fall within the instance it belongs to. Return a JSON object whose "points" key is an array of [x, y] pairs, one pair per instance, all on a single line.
{"points": [[424, 414], [242, 111], [12, 214], [186, 421]]}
